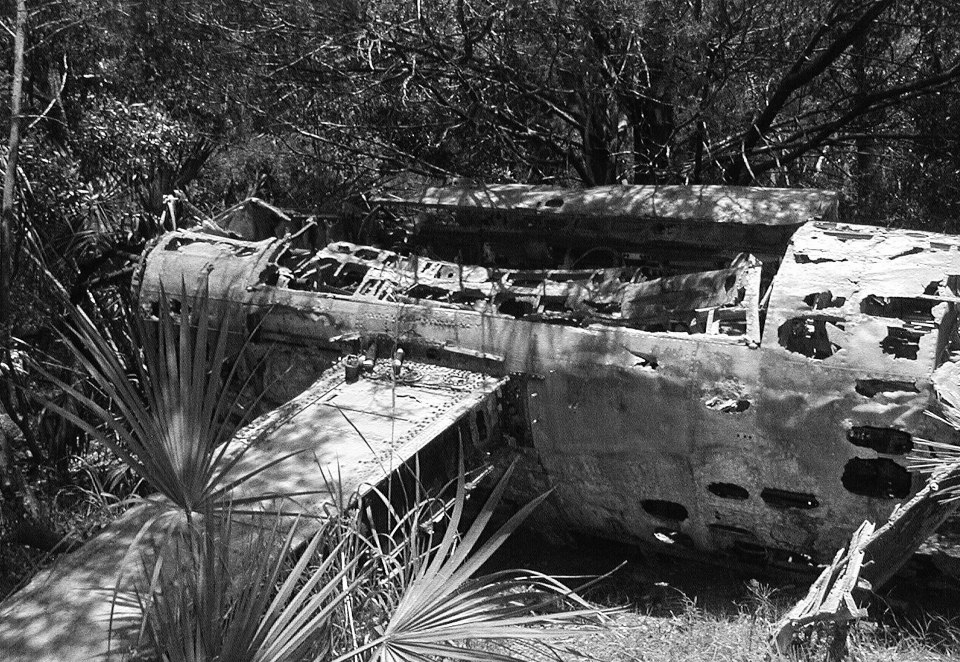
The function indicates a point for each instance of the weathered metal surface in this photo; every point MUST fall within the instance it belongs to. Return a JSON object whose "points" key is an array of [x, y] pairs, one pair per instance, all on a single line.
{"points": [[536, 226], [353, 437], [710, 204], [763, 414]]}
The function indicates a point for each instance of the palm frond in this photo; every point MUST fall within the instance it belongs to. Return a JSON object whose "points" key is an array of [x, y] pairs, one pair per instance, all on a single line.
{"points": [[443, 604], [228, 596], [941, 460], [163, 404]]}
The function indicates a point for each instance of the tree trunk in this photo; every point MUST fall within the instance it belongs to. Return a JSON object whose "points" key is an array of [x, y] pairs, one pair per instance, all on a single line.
{"points": [[24, 519], [651, 114], [866, 162], [8, 215]]}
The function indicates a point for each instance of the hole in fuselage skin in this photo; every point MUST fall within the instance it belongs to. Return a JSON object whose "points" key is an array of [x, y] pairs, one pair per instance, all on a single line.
{"points": [[430, 293], [648, 361], [881, 478], [515, 308], [821, 300], [901, 343], [905, 308], [269, 276], [670, 510], [888, 441], [367, 254], [776, 498], [729, 491], [809, 336], [467, 296], [727, 405], [178, 242], [351, 275], [871, 388], [803, 258]]}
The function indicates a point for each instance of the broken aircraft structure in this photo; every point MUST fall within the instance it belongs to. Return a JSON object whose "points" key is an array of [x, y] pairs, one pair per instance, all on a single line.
{"points": [[724, 369]]}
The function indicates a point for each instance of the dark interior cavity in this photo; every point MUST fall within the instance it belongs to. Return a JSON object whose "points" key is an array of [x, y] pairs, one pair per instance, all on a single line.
{"points": [[871, 388], [901, 343], [809, 336], [776, 498], [880, 478], [821, 300], [905, 308], [889, 441]]}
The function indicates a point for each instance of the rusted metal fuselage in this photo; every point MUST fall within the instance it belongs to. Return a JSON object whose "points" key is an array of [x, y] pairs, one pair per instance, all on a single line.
{"points": [[745, 384]]}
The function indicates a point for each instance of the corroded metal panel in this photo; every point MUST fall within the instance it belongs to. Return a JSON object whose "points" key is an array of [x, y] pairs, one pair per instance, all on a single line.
{"points": [[352, 436]]}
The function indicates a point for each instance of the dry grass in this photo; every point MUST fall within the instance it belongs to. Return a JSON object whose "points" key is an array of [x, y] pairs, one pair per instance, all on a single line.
{"points": [[679, 611], [699, 636]]}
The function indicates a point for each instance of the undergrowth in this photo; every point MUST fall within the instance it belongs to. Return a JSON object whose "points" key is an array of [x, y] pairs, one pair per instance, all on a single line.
{"points": [[692, 633], [223, 589]]}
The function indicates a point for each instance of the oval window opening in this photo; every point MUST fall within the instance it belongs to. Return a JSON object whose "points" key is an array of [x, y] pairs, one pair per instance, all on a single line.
{"points": [[879, 479], [786, 499], [889, 441]]}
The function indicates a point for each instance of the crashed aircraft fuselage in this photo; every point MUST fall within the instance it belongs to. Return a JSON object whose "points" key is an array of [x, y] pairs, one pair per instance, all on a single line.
{"points": [[758, 404]]}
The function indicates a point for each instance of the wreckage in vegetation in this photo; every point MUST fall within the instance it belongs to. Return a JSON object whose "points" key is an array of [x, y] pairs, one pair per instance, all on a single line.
{"points": [[723, 369]]}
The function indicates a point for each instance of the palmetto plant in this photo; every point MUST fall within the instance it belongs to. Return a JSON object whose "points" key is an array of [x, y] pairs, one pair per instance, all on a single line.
{"points": [[217, 594], [440, 602], [399, 595], [161, 404]]}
